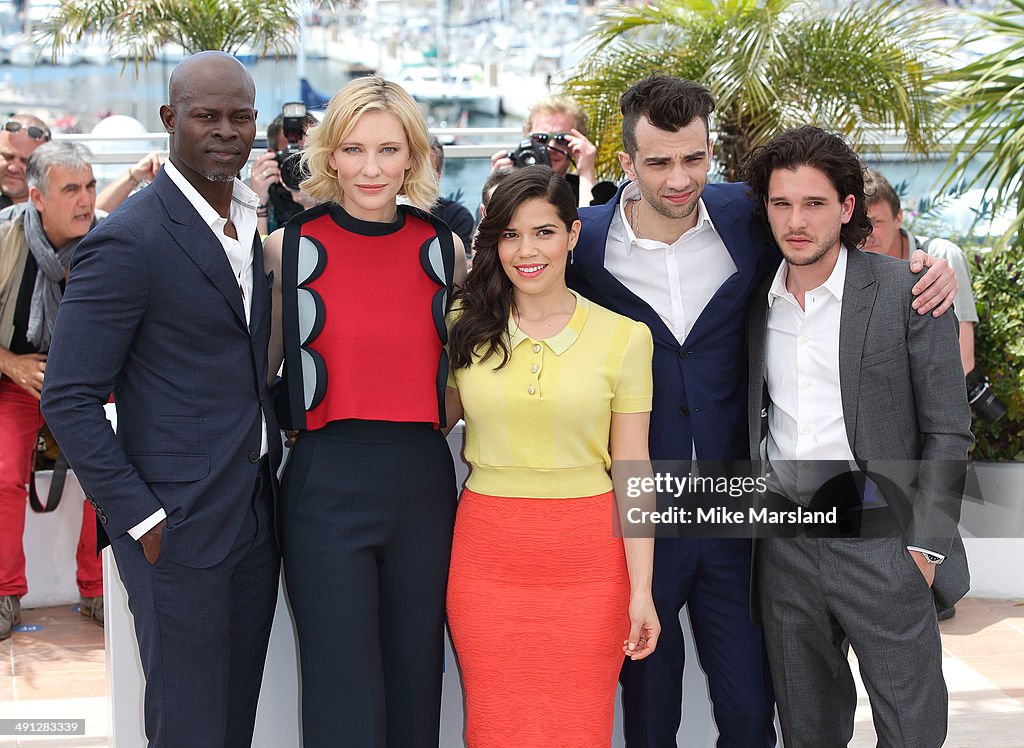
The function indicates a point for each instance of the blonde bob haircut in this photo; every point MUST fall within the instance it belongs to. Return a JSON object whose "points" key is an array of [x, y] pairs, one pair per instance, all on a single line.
{"points": [[369, 94]]}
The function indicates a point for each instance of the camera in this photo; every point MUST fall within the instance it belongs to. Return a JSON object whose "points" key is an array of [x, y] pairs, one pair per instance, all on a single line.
{"points": [[529, 153], [982, 399], [293, 127]]}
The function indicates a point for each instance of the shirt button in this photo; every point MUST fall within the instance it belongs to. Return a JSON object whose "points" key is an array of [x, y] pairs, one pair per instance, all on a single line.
{"points": [[530, 389], [533, 369], [254, 456], [805, 386], [804, 339], [806, 429], [536, 348]]}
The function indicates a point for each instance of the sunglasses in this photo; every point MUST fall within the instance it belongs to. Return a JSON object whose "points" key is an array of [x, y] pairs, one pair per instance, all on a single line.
{"points": [[36, 133], [543, 138]]}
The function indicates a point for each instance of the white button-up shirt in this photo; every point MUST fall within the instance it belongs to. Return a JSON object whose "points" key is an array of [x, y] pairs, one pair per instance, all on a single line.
{"points": [[807, 440], [677, 280]]}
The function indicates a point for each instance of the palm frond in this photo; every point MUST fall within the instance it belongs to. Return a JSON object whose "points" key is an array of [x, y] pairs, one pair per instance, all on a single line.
{"points": [[989, 95], [772, 65], [140, 28]]}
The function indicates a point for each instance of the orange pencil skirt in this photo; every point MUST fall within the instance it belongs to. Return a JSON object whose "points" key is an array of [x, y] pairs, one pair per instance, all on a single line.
{"points": [[538, 596]]}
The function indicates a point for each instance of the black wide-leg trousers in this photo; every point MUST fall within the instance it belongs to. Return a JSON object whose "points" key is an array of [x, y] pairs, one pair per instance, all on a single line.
{"points": [[367, 514]]}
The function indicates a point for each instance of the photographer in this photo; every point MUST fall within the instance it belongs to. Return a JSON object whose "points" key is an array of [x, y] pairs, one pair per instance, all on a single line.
{"points": [[280, 201], [556, 135], [889, 237]]}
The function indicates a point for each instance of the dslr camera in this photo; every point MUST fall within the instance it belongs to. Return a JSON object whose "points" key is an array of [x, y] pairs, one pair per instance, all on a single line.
{"points": [[293, 127], [529, 153], [982, 399]]}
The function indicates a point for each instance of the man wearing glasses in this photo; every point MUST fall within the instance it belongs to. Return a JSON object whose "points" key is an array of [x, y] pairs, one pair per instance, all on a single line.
{"points": [[21, 135], [560, 124]]}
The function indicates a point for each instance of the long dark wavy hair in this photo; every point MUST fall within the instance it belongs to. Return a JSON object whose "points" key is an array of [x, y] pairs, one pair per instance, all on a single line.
{"points": [[824, 151], [486, 299]]}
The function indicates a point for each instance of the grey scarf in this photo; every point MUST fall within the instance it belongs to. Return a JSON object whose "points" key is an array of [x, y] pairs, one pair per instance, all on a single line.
{"points": [[53, 269]]}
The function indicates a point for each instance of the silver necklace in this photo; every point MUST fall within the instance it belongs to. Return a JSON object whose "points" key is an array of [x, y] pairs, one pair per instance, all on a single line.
{"points": [[633, 208]]}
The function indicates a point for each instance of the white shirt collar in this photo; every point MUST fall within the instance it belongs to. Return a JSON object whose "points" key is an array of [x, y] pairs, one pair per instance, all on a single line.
{"points": [[240, 193], [833, 284], [632, 192]]}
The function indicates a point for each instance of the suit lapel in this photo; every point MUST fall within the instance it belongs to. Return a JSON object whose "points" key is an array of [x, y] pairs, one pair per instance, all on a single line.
{"points": [[742, 240], [260, 285], [197, 241], [757, 397], [859, 292]]}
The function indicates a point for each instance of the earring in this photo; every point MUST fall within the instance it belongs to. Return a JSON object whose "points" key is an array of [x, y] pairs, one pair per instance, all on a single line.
{"points": [[570, 257]]}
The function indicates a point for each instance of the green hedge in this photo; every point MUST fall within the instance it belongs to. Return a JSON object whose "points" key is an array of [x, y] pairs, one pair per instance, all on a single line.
{"points": [[998, 282]]}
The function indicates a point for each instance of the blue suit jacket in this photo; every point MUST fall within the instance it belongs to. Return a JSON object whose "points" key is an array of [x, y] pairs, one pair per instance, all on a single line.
{"points": [[699, 386], [153, 313]]}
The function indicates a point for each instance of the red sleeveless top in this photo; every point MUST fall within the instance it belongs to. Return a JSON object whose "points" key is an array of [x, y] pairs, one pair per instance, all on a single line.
{"points": [[378, 341]]}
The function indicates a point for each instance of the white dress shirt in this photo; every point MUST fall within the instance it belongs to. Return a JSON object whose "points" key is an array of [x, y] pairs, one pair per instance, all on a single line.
{"points": [[677, 280], [807, 439], [240, 256]]}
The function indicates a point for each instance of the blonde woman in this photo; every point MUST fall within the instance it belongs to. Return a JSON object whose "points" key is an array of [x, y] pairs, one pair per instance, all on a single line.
{"points": [[361, 285]]}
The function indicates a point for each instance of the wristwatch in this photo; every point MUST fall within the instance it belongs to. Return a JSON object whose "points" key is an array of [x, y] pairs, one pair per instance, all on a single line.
{"points": [[931, 557]]}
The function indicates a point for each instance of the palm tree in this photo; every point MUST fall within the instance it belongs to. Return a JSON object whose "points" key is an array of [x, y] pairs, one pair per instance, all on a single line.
{"points": [[990, 94], [771, 65], [141, 27]]}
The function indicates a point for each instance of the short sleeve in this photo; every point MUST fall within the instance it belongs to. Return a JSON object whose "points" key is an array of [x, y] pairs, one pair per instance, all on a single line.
{"points": [[966, 309], [634, 388]]}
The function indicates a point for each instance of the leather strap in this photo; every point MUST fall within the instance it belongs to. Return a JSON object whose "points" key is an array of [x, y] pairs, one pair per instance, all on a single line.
{"points": [[56, 492]]}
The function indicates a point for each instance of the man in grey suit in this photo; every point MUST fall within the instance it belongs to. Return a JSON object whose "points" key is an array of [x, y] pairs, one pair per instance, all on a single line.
{"points": [[848, 375]]}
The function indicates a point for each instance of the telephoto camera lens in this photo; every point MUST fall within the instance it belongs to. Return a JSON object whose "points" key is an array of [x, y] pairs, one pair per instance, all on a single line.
{"points": [[982, 399]]}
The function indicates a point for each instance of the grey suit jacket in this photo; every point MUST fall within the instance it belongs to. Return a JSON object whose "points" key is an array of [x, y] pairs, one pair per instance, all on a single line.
{"points": [[904, 403]]}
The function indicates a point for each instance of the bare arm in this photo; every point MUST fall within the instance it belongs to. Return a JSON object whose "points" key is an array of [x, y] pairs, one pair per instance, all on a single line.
{"points": [[584, 153], [452, 409], [460, 260], [967, 346], [115, 193], [630, 459], [272, 264]]}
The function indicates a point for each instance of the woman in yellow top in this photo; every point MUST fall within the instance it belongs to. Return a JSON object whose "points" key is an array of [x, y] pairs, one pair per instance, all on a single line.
{"points": [[545, 597]]}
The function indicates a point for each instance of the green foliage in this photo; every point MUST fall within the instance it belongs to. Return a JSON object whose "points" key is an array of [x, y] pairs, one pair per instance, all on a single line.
{"points": [[141, 27], [990, 95], [998, 282], [771, 65]]}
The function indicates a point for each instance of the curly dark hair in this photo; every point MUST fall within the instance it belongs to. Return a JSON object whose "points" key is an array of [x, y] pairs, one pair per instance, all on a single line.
{"points": [[825, 151], [486, 298], [670, 103]]}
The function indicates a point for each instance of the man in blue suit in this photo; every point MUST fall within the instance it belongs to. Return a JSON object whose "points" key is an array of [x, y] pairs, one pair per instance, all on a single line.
{"points": [[168, 307], [684, 257]]}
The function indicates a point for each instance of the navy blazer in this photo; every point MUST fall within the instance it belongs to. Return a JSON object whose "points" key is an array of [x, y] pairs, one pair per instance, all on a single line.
{"points": [[700, 386], [153, 313]]}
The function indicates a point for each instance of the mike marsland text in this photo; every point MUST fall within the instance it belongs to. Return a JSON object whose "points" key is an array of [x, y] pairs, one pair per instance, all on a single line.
{"points": [[721, 516]]}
